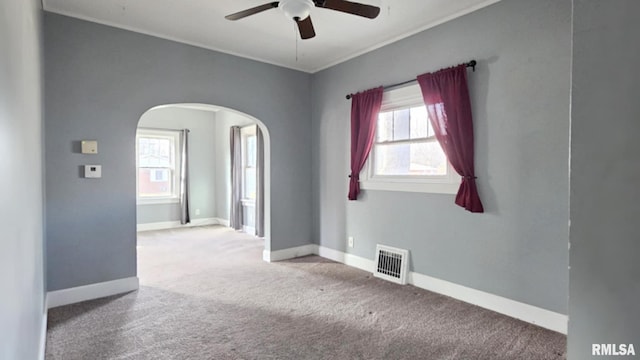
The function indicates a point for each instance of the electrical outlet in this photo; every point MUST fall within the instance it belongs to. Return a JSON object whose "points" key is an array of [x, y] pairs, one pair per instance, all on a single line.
{"points": [[350, 241], [197, 211]]}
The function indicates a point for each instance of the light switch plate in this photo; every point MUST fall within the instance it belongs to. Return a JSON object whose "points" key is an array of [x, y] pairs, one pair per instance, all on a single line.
{"points": [[93, 171], [89, 146]]}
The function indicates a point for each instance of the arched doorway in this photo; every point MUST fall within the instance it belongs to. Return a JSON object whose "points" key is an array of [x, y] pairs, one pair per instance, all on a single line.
{"points": [[168, 118]]}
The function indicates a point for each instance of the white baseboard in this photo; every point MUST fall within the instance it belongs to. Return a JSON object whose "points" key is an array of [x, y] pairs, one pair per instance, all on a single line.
{"points": [[249, 230], [290, 253], [164, 225], [347, 259], [90, 292], [43, 335], [525, 312]]}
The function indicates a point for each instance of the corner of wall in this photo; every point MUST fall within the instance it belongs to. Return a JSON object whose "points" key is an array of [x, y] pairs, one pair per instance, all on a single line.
{"points": [[92, 291]]}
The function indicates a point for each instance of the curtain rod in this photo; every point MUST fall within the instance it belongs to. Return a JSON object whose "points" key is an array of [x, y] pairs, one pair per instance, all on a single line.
{"points": [[472, 64]]}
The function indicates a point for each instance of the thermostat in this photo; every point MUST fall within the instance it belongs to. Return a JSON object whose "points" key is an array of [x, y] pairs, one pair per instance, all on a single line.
{"points": [[93, 171]]}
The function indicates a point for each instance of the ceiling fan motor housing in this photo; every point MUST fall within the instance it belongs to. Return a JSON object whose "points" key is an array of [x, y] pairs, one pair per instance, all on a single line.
{"points": [[296, 9]]}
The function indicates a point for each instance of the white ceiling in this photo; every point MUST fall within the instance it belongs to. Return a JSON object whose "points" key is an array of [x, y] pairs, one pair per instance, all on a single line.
{"points": [[269, 36]]}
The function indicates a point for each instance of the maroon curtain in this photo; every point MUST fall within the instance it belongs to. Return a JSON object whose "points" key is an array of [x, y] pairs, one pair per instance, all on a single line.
{"points": [[446, 96], [365, 107]]}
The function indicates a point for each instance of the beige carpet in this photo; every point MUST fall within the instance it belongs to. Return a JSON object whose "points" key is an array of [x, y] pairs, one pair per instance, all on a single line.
{"points": [[207, 294]]}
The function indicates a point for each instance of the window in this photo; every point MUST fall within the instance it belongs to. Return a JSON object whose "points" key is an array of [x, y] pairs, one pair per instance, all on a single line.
{"points": [[158, 166], [249, 142], [406, 155]]}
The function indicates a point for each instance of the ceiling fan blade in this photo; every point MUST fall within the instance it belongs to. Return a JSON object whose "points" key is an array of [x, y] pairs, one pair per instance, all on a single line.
{"points": [[252, 11], [305, 27], [349, 7]]}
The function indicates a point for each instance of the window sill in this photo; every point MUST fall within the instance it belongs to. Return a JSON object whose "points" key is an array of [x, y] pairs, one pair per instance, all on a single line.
{"points": [[158, 201], [418, 187]]}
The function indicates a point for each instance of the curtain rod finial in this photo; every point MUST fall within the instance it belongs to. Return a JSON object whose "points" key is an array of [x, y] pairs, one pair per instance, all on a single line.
{"points": [[348, 96], [472, 64]]}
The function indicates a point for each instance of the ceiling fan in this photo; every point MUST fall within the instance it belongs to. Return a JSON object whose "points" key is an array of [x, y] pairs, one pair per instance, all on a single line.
{"points": [[299, 11]]}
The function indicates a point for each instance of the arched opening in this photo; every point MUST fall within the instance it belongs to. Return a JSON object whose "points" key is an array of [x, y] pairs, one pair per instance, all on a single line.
{"points": [[159, 204]]}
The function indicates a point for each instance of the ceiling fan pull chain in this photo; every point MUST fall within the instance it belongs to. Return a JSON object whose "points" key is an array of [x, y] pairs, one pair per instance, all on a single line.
{"points": [[295, 36]]}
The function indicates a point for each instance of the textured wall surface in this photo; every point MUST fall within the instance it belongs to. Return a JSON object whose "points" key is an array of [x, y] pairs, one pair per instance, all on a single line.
{"points": [[22, 283], [99, 81], [605, 173], [520, 100]]}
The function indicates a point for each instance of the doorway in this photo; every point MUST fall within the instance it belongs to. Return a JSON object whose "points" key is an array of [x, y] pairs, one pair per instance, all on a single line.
{"points": [[160, 168]]}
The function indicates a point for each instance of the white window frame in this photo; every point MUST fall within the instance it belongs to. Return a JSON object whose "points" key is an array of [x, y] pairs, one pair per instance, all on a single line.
{"points": [[396, 99], [245, 133], [174, 135]]}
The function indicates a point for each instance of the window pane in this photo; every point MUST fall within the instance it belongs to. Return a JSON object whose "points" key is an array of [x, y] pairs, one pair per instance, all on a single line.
{"points": [[154, 182], [401, 124], [155, 152], [410, 159], [419, 122], [385, 126], [251, 151], [249, 183]]}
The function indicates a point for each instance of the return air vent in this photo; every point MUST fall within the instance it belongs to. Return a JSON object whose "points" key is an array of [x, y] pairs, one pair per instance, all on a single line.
{"points": [[392, 264]]}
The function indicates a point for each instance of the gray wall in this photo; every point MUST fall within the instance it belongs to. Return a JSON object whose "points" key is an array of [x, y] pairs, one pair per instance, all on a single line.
{"points": [[605, 173], [520, 99], [99, 81], [21, 218], [202, 162], [224, 121]]}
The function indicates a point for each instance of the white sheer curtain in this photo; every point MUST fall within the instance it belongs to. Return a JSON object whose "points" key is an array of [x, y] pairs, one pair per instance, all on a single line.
{"points": [[185, 217], [235, 214]]}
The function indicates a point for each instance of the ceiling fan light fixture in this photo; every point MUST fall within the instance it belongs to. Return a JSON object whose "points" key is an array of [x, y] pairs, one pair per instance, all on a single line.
{"points": [[300, 10], [296, 9]]}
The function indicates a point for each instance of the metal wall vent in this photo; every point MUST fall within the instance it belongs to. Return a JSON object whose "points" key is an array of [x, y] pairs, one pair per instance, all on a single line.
{"points": [[391, 264]]}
